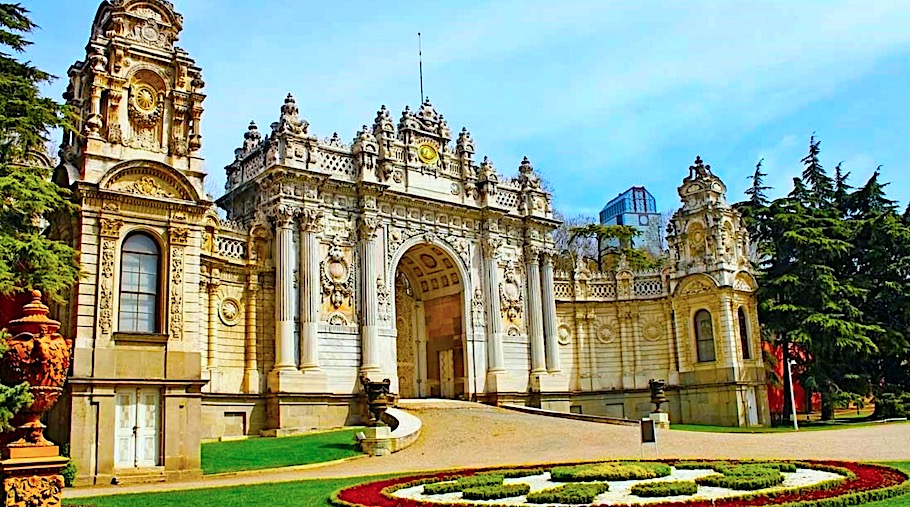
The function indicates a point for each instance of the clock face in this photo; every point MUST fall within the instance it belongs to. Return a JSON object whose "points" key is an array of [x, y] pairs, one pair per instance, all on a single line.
{"points": [[427, 153], [642, 219]]}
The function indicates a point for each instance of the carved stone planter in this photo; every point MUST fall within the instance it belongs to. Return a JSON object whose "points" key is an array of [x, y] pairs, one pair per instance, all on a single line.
{"points": [[40, 356], [30, 465]]}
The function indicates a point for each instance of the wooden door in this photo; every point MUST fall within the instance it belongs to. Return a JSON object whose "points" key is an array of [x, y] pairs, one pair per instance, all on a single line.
{"points": [[136, 432], [447, 373]]}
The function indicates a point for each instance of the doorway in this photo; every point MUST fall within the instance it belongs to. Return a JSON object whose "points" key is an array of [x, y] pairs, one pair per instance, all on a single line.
{"points": [[136, 441], [430, 324]]}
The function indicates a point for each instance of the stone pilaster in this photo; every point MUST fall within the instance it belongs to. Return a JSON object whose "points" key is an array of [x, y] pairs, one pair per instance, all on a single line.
{"points": [[550, 330], [212, 285], [535, 318], [369, 226], [250, 363]]}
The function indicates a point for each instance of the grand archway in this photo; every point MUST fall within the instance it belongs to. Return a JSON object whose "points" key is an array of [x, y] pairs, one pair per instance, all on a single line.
{"points": [[430, 325]]}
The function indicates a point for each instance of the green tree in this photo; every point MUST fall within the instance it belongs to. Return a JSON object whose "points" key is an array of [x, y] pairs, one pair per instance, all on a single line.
{"points": [[624, 235], [28, 259], [807, 296]]}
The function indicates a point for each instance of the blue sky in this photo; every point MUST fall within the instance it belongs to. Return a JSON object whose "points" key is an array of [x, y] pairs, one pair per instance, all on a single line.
{"points": [[600, 95]]}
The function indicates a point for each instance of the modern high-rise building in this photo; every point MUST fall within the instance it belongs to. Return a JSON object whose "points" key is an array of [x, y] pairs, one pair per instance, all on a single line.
{"points": [[638, 208]]}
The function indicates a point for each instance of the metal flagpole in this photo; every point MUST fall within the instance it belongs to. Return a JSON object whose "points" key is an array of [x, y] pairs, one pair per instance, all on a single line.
{"points": [[420, 58]]}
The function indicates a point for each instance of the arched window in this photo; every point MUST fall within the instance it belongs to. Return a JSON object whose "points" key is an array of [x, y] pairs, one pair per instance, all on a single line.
{"points": [[744, 333], [139, 285], [704, 336]]}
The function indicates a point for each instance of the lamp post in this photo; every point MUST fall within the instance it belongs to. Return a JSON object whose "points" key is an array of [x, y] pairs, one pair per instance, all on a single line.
{"points": [[789, 365]]}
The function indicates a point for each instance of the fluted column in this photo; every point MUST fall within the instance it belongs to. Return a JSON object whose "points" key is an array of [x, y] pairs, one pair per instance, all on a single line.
{"points": [[310, 289], [370, 309], [548, 305], [285, 355], [496, 360], [250, 362], [535, 319]]}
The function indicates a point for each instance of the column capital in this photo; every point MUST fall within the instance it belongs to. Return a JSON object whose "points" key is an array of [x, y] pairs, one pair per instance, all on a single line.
{"points": [[283, 214], [369, 226], [310, 220], [490, 246], [532, 254]]}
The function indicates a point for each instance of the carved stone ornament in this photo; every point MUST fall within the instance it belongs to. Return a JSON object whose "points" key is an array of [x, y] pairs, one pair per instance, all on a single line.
{"points": [[110, 227], [143, 106], [311, 220], [230, 311], [606, 332], [652, 327], [696, 288], [564, 335], [148, 186], [179, 235], [177, 293], [384, 300], [337, 277], [477, 307], [510, 294], [32, 490]]}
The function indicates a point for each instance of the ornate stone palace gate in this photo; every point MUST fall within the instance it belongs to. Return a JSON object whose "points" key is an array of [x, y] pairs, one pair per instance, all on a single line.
{"points": [[401, 255]]}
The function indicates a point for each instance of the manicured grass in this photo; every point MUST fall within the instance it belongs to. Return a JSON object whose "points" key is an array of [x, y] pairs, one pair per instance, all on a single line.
{"points": [[259, 453], [313, 493], [803, 426]]}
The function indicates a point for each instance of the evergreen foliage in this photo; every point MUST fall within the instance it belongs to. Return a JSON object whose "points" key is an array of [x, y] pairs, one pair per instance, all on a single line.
{"points": [[636, 258], [834, 266], [28, 259]]}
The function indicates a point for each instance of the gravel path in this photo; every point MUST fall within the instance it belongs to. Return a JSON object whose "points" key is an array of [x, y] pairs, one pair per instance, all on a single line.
{"points": [[463, 434]]}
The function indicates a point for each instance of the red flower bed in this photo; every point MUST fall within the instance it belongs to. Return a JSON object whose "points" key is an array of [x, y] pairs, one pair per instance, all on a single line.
{"points": [[868, 478]]}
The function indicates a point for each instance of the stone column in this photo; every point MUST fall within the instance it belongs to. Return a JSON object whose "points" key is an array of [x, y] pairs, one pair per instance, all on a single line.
{"points": [[250, 362], [370, 304], [285, 355], [535, 319], [496, 361], [550, 331], [729, 343], [310, 288]]}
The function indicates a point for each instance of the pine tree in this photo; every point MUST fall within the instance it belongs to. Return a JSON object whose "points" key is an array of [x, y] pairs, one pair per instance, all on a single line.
{"points": [[624, 234], [841, 188], [756, 193], [28, 259], [819, 184]]}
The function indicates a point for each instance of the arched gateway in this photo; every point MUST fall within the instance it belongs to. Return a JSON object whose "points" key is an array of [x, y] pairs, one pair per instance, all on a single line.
{"points": [[432, 320]]}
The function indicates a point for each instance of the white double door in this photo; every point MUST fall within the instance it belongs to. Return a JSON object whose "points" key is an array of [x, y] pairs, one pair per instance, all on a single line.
{"points": [[137, 431]]}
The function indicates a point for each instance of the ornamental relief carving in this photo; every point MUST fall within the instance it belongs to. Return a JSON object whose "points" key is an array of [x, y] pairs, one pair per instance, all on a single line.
{"points": [[179, 235], [337, 277], [147, 185], [510, 294], [176, 299], [384, 301], [34, 490], [110, 227], [652, 327], [230, 311], [106, 296]]}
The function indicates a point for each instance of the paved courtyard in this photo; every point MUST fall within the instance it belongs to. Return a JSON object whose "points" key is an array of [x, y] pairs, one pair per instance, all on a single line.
{"points": [[471, 435]]}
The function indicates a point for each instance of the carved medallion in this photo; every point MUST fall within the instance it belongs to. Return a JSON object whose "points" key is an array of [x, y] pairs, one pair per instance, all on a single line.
{"points": [[510, 294], [230, 311], [337, 277]]}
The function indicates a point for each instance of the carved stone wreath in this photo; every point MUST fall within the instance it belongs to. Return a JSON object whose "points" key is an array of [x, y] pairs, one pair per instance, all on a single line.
{"points": [[230, 311], [337, 277], [606, 333], [564, 335], [510, 294]]}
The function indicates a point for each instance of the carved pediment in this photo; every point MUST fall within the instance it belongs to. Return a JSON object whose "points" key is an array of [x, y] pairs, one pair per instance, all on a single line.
{"points": [[149, 179]]}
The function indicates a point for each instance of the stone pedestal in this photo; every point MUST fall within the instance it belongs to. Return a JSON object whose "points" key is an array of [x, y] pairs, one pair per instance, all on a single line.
{"points": [[32, 482], [661, 419], [378, 441]]}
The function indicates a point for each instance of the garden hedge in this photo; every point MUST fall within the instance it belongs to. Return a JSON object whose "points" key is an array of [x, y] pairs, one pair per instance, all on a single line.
{"points": [[664, 488], [579, 492], [495, 491]]}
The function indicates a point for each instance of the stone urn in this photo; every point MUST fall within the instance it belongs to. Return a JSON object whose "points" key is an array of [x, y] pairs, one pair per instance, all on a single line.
{"points": [[657, 393], [39, 355], [378, 398]]}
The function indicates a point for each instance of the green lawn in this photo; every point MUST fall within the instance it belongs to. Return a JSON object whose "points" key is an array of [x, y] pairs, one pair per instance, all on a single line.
{"points": [[312, 493], [259, 453], [803, 426]]}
